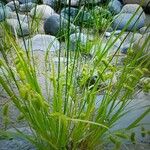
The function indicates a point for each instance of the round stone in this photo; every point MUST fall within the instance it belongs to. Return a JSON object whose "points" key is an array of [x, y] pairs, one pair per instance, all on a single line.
{"points": [[5, 11], [138, 46], [28, 1], [41, 12], [140, 2], [58, 26], [43, 42], [80, 2], [78, 40], [16, 29], [12, 6], [27, 7], [22, 18], [121, 20], [115, 6], [77, 16], [134, 8], [51, 3], [144, 30]]}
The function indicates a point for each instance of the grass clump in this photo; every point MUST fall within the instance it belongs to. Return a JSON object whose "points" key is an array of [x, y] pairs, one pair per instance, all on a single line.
{"points": [[68, 113]]}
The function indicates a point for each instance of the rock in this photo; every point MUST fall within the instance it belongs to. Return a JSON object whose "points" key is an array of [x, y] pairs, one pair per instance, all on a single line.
{"points": [[144, 30], [78, 41], [22, 18], [52, 26], [15, 27], [42, 12], [77, 16], [115, 6], [51, 3], [107, 34], [138, 44], [43, 42], [28, 1], [80, 2], [132, 8], [16, 143], [121, 20], [4, 12], [116, 43], [117, 32], [140, 2], [12, 6], [27, 7], [111, 32], [129, 39]]}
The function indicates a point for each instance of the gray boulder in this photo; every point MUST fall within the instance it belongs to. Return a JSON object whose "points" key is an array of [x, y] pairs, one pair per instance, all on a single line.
{"points": [[138, 46], [42, 42], [123, 19], [26, 7], [78, 41], [4, 12], [80, 2], [51, 3], [28, 1], [140, 2], [134, 8], [22, 17], [16, 29], [41, 12], [144, 30], [76, 15], [12, 5], [57, 26], [115, 6]]}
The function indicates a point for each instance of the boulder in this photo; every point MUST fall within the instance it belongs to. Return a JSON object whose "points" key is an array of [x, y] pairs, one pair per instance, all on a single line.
{"points": [[15, 28], [76, 15], [28, 1], [80, 2], [137, 46], [144, 3], [41, 12], [134, 9], [51, 3], [42, 42], [122, 21], [115, 6], [12, 5], [26, 7], [4, 12], [58, 26], [78, 41], [140, 2]]}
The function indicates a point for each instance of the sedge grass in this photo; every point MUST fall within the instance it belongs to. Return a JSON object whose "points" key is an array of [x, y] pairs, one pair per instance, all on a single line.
{"points": [[69, 115]]}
